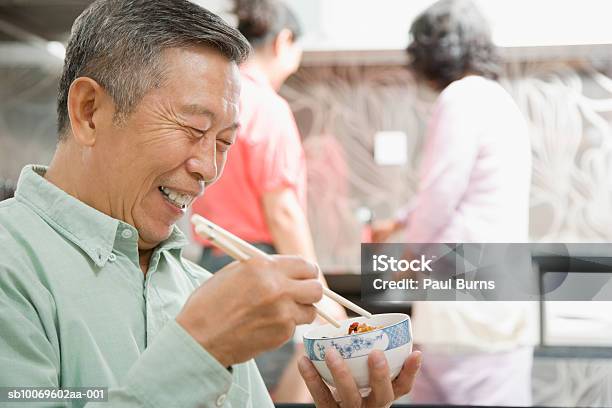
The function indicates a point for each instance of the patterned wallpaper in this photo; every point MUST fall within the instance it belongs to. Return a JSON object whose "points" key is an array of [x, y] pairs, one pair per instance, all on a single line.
{"points": [[339, 109], [572, 382]]}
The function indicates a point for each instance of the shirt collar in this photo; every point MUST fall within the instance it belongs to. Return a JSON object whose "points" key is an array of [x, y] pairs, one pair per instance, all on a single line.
{"points": [[96, 233]]}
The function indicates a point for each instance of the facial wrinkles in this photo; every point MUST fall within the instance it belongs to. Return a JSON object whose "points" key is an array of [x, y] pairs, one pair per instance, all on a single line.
{"points": [[206, 151], [230, 109], [171, 133], [161, 120], [156, 144], [133, 192]]}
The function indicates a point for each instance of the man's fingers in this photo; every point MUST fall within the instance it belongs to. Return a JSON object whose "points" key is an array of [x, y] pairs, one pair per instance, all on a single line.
{"points": [[405, 380], [306, 292], [304, 314], [380, 381], [296, 267], [343, 380], [320, 392]]}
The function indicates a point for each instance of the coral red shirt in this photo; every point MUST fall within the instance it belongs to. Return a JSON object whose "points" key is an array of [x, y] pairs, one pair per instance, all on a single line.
{"points": [[266, 156]]}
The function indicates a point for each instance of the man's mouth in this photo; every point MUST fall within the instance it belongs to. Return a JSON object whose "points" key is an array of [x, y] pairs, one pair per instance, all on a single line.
{"points": [[179, 200]]}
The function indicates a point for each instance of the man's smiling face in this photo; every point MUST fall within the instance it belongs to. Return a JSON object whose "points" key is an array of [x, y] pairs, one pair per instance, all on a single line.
{"points": [[159, 159]]}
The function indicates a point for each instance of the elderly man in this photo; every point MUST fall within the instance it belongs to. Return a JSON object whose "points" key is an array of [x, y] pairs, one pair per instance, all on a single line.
{"points": [[93, 288]]}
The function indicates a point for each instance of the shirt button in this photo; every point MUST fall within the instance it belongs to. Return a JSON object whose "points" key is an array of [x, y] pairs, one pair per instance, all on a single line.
{"points": [[112, 258], [126, 233], [221, 400]]}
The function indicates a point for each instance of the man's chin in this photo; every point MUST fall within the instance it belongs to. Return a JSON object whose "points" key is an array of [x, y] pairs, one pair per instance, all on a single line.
{"points": [[151, 239]]}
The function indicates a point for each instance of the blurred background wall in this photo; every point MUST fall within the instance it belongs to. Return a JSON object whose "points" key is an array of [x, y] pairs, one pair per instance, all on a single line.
{"points": [[340, 108]]}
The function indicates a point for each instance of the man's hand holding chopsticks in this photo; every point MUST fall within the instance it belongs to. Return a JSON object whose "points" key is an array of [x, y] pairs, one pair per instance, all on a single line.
{"points": [[252, 306]]}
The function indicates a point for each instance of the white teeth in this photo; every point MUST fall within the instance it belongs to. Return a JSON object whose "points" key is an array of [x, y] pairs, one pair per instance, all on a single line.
{"points": [[176, 198]]}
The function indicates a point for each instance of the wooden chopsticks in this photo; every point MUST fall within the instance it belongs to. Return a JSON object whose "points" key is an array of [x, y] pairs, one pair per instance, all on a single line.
{"points": [[242, 250]]}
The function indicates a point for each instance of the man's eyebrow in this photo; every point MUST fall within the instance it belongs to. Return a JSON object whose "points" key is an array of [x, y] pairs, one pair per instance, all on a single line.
{"points": [[195, 109]]}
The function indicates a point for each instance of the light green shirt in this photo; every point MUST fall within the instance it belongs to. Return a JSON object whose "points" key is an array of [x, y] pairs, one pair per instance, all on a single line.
{"points": [[77, 311]]}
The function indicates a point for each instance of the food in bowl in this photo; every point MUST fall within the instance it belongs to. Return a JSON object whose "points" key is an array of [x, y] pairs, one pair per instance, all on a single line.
{"points": [[357, 327], [390, 332]]}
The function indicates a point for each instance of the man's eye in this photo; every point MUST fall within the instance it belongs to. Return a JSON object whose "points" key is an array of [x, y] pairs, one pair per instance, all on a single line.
{"points": [[197, 132], [224, 145]]}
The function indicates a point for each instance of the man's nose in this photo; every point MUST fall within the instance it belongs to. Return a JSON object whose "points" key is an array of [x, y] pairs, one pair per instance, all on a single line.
{"points": [[202, 162]]}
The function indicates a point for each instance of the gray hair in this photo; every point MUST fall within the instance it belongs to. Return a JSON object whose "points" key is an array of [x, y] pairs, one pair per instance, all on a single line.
{"points": [[118, 43]]}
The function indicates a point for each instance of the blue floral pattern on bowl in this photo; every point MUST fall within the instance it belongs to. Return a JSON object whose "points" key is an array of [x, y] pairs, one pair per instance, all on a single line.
{"points": [[352, 346], [356, 344]]}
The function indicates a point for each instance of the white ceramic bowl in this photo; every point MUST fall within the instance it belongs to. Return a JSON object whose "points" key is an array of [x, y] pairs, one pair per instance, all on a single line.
{"points": [[394, 339]]}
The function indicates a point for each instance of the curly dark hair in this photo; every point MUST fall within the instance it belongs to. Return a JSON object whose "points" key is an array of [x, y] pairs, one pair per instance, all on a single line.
{"points": [[261, 20], [449, 40]]}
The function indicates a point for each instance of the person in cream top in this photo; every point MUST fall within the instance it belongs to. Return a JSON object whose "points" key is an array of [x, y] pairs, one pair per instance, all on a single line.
{"points": [[473, 187]]}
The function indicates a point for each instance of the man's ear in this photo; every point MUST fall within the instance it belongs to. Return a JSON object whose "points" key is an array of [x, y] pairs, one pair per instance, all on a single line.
{"points": [[283, 39], [84, 100]]}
